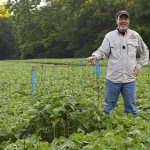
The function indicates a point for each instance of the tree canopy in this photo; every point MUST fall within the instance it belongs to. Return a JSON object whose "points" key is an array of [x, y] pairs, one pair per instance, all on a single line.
{"points": [[66, 28]]}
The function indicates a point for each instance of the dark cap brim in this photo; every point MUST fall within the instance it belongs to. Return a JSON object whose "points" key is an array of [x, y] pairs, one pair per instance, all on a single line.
{"points": [[122, 13]]}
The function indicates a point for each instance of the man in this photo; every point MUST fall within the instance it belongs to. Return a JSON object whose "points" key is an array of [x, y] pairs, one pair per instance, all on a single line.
{"points": [[120, 47]]}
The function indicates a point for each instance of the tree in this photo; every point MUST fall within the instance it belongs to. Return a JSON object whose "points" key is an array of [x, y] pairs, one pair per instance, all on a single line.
{"points": [[70, 28], [7, 46]]}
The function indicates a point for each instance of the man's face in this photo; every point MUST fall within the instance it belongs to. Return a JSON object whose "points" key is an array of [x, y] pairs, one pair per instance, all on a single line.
{"points": [[123, 23]]}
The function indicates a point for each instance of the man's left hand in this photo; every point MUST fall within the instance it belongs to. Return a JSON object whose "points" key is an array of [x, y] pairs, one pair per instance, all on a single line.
{"points": [[136, 71]]}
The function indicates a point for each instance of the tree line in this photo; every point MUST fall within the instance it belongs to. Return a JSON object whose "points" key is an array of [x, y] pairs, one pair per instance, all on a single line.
{"points": [[66, 28]]}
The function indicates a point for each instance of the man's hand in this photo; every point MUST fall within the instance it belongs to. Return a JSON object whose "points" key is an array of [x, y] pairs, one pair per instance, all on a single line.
{"points": [[91, 58], [136, 71]]}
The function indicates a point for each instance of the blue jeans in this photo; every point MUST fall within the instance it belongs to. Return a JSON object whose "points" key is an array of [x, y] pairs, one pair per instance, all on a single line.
{"points": [[128, 91]]}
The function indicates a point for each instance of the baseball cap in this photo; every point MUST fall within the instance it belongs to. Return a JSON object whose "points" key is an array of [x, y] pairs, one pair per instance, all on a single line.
{"points": [[121, 13]]}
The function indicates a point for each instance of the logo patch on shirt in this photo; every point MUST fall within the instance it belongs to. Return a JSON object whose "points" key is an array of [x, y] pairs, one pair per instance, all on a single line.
{"points": [[132, 37]]}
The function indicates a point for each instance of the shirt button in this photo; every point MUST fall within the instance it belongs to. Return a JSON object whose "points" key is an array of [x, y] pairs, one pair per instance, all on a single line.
{"points": [[123, 47]]}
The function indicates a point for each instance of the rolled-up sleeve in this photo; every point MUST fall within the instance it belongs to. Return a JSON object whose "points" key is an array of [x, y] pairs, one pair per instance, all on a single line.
{"points": [[144, 53], [104, 50]]}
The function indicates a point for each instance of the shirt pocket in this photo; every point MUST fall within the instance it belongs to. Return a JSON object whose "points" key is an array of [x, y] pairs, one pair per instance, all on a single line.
{"points": [[112, 62], [115, 50], [132, 48]]}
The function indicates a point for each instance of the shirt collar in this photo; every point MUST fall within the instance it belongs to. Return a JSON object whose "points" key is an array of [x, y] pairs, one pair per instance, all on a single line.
{"points": [[122, 32]]}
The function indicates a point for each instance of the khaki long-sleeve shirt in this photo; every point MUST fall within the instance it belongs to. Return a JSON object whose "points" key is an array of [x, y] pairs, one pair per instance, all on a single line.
{"points": [[121, 51]]}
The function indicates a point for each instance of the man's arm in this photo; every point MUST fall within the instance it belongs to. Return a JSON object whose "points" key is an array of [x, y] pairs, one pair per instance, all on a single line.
{"points": [[144, 54], [102, 52]]}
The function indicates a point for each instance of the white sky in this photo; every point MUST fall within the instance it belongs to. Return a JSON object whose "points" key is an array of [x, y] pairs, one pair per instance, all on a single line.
{"points": [[2, 1], [43, 3]]}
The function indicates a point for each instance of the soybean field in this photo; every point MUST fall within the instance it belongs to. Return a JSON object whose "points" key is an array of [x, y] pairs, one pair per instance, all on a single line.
{"points": [[64, 110]]}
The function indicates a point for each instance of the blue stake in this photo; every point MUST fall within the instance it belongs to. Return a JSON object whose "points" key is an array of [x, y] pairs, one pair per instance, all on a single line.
{"points": [[97, 68], [80, 63], [33, 82]]}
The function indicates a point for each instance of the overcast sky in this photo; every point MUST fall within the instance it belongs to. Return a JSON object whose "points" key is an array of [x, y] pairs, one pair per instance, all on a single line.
{"points": [[43, 3], [2, 1]]}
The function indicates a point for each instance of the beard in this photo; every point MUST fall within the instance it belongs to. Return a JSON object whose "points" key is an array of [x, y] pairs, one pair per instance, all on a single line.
{"points": [[123, 28]]}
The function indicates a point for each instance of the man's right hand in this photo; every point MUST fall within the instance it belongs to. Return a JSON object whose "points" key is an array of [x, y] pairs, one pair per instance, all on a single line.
{"points": [[91, 58]]}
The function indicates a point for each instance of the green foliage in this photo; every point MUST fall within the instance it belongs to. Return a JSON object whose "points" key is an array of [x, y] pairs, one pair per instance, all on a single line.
{"points": [[70, 28], [65, 112], [7, 42]]}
